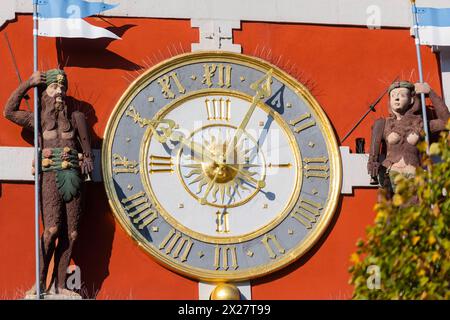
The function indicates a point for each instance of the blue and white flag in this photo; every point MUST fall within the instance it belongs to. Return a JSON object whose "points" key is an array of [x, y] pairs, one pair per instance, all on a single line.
{"points": [[64, 18], [434, 26]]}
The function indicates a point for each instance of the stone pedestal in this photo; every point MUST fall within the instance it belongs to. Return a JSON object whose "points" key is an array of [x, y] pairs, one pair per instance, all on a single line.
{"points": [[53, 296]]}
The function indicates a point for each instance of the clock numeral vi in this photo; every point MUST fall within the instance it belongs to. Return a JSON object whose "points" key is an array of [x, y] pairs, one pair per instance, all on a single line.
{"points": [[139, 209], [166, 85], [307, 212], [225, 257], [266, 242], [303, 123], [174, 243]]}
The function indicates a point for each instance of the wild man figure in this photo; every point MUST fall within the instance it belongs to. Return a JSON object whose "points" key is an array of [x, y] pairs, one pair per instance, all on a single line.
{"points": [[62, 134]]}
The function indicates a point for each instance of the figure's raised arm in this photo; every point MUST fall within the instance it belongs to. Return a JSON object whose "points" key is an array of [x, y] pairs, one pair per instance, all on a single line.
{"points": [[442, 113], [11, 110], [440, 108]]}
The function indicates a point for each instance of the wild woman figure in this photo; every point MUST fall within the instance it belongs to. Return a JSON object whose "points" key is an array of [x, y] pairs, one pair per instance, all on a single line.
{"points": [[394, 140], [66, 156]]}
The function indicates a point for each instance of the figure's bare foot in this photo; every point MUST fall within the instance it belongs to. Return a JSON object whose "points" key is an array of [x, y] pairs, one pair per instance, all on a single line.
{"points": [[68, 293], [32, 291]]}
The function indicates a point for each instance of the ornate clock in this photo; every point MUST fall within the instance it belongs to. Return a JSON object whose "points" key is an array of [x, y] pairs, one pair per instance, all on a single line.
{"points": [[221, 166]]}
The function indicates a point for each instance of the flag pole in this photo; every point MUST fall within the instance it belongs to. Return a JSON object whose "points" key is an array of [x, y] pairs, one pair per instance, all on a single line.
{"points": [[37, 162], [419, 63]]}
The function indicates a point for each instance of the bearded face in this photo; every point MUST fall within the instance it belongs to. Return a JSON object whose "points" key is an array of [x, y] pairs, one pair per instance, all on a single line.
{"points": [[54, 109], [57, 92]]}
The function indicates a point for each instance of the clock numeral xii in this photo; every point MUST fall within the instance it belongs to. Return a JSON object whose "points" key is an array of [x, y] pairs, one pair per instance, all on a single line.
{"points": [[223, 71]]}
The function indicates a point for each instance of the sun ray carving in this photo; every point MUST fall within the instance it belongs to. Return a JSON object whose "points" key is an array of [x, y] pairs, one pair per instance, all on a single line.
{"points": [[231, 180]]}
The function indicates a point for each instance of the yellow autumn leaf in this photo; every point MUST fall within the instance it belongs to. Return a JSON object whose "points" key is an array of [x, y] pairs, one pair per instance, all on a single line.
{"points": [[436, 210], [415, 240], [422, 146], [431, 239], [415, 215], [397, 200], [381, 215], [435, 256], [377, 206], [434, 149], [354, 258], [421, 272], [398, 178]]}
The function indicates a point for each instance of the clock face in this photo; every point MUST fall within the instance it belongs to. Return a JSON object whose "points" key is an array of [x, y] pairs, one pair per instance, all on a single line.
{"points": [[221, 166]]}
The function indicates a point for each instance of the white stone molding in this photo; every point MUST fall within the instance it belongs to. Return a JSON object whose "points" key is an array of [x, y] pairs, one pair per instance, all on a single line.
{"points": [[354, 170], [390, 13], [16, 166], [216, 35]]}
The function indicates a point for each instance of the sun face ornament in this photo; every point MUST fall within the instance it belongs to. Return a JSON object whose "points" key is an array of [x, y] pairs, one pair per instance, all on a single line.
{"points": [[221, 166]]}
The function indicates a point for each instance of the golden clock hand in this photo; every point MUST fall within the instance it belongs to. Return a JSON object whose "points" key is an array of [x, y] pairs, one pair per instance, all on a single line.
{"points": [[167, 132], [152, 124], [197, 148], [263, 90], [245, 176], [279, 165], [260, 183], [270, 165]]}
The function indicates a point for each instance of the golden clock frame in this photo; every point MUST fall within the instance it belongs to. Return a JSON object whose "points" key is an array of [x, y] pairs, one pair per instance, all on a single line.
{"points": [[335, 166]]}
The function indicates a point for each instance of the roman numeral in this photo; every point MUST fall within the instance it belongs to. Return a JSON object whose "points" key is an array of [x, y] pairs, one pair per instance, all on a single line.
{"points": [[262, 87], [166, 86], [266, 242], [307, 212], [218, 109], [225, 257], [224, 75], [139, 209], [316, 167], [122, 165], [222, 222], [304, 124], [160, 164], [174, 243]]}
